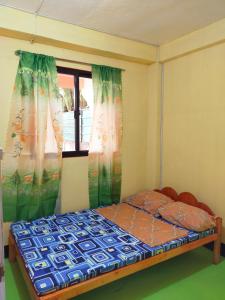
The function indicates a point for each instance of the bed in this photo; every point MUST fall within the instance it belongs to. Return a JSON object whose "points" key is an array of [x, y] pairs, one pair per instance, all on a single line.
{"points": [[66, 255]]}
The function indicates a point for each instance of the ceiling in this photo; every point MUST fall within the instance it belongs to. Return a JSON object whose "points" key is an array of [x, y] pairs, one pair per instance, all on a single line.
{"points": [[149, 21]]}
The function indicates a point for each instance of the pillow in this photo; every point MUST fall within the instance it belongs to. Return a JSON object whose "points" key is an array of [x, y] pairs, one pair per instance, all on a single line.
{"points": [[149, 201], [187, 216]]}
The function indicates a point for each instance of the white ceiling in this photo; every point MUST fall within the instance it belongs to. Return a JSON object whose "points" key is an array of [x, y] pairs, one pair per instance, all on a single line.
{"points": [[148, 21]]}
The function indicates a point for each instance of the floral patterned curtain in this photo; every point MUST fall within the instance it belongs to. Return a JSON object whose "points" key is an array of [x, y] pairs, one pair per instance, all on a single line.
{"points": [[33, 150], [106, 135]]}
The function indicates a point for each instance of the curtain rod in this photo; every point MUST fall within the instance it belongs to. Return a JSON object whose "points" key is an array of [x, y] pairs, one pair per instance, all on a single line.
{"points": [[69, 60]]}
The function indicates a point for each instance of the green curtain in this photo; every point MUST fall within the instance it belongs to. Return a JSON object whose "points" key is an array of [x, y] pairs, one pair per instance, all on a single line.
{"points": [[106, 134], [33, 150]]}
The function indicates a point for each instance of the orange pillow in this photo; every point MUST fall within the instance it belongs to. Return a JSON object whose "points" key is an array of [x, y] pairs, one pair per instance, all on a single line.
{"points": [[187, 216], [149, 201]]}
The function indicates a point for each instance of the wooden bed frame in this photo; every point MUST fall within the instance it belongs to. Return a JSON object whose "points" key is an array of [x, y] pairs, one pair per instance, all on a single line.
{"points": [[100, 280]]}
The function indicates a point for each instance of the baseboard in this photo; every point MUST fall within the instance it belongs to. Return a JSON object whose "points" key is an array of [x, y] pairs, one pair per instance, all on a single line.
{"points": [[208, 246]]}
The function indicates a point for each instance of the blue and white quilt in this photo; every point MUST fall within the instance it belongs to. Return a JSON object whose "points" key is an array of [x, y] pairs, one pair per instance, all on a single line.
{"points": [[62, 250]]}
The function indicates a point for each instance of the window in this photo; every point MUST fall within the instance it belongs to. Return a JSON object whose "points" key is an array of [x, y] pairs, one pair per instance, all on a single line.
{"points": [[75, 87]]}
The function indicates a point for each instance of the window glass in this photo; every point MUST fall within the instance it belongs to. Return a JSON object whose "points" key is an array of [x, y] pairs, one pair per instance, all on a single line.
{"points": [[76, 92], [67, 94], [86, 109]]}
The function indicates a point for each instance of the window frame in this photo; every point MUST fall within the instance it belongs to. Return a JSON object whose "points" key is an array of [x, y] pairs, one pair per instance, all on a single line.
{"points": [[76, 73]]}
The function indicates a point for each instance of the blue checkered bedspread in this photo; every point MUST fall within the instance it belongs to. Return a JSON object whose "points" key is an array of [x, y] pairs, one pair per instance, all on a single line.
{"points": [[62, 250]]}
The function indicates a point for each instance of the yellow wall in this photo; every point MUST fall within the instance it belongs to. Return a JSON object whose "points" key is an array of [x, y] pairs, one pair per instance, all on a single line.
{"points": [[153, 126], [135, 100], [194, 126], [200, 39]]}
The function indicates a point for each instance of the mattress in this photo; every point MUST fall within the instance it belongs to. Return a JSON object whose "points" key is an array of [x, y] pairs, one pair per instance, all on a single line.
{"points": [[63, 250]]}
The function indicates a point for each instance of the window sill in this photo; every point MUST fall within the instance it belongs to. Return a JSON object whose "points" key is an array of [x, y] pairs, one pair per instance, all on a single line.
{"points": [[66, 154]]}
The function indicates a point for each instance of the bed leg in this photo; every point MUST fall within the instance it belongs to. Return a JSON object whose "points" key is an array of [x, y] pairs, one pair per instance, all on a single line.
{"points": [[217, 243], [12, 249]]}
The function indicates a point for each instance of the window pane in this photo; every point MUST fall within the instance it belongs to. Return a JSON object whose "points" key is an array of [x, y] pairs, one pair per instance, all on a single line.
{"points": [[86, 109], [67, 90]]}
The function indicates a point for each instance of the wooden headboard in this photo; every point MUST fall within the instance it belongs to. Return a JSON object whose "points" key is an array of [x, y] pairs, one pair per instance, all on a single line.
{"points": [[185, 197]]}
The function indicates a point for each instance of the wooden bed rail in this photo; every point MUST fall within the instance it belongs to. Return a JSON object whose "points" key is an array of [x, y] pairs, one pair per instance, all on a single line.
{"points": [[217, 242]]}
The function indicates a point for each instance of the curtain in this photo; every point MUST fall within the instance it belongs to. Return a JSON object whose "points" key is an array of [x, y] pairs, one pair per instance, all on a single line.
{"points": [[33, 150], [106, 134]]}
